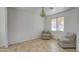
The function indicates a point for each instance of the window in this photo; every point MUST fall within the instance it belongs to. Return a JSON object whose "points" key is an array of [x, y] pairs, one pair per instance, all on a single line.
{"points": [[53, 27], [57, 24]]}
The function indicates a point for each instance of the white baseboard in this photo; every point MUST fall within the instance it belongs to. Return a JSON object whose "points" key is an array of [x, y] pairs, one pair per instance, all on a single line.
{"points": [[21, 41]]}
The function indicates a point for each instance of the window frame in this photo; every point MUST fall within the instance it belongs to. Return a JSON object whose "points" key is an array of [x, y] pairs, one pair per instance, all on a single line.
{"points": [[57, 23]]}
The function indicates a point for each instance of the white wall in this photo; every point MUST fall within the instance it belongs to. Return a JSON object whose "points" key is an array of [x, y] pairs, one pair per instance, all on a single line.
{"points": [[70, 19], [77, 44], [23, 25], [3, 27]]}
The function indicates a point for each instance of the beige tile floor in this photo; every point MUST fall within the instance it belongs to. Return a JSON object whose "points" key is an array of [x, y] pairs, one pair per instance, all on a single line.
{"points": [[36, 45]]}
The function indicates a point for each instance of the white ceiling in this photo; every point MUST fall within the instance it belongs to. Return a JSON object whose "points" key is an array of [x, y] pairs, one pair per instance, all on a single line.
{"points": [[56, 10], [47, 9]]}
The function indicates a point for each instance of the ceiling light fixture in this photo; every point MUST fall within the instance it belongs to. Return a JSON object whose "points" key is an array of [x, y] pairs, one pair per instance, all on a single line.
{"points": [[42, 14]]}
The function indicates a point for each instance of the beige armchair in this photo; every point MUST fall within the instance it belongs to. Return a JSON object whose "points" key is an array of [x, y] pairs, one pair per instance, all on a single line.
{"points": [[46, 35], [67, 41]]}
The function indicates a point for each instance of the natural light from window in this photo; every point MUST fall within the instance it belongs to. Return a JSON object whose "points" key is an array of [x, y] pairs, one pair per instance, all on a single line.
{"points": [[57, 24], [53, 23]]}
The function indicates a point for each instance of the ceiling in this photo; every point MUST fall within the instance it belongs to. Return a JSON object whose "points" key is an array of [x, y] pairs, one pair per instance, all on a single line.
{"points": [[56, 10], [48, 11]]}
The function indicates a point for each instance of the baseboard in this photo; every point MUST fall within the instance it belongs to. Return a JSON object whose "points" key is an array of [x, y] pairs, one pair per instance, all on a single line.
{"points": [[20, 41]]}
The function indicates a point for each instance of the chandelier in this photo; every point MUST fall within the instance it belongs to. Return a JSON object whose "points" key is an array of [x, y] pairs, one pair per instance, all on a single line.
{"points": [[42, 14]]}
